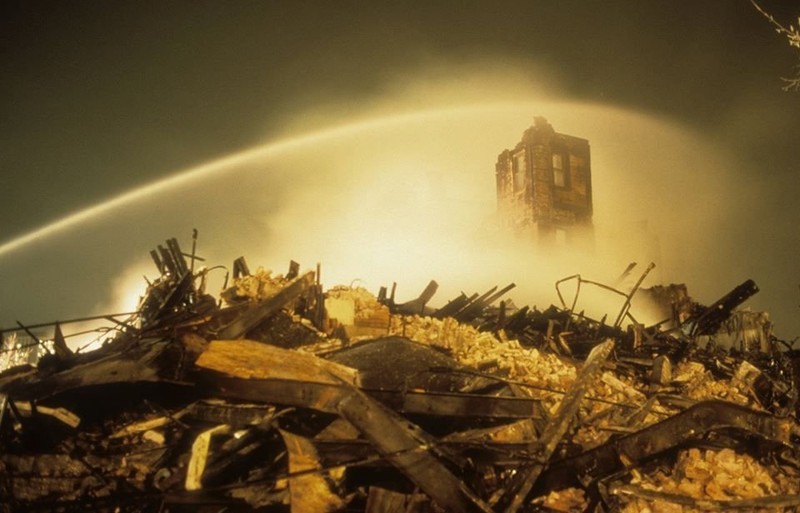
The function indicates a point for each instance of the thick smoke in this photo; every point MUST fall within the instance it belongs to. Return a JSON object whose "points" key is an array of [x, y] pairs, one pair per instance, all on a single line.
{"points": [[395, 193]]}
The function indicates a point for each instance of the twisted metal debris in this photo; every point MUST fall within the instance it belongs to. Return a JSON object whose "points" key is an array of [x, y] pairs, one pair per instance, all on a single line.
{"points": [[282, 396]]}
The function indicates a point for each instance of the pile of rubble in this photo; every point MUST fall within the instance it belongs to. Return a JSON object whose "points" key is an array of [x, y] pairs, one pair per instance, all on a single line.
{"points": [[282, 396]]}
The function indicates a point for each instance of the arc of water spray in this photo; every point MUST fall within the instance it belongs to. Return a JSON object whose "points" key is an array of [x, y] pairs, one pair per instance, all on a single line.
{"points": [[228, 162]]}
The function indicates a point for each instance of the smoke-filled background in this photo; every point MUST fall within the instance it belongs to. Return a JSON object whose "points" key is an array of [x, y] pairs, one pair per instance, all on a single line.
{"points": [[364, 136]]}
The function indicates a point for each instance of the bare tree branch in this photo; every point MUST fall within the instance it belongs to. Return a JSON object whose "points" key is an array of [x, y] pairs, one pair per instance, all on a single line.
{"points": [[793, 37]]}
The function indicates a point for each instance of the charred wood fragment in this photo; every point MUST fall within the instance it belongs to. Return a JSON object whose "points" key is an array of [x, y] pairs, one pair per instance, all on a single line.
{"points": [[257, 404]]}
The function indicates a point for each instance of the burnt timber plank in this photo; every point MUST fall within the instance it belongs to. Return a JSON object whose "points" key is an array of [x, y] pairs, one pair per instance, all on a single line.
{"points": [[691, 424], [522, 483], [323, 397], [258, 312], [411, 451], [155, 360]]}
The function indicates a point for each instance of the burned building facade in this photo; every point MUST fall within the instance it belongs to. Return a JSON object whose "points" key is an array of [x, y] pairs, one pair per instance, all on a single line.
{"points": [[544, 186]]}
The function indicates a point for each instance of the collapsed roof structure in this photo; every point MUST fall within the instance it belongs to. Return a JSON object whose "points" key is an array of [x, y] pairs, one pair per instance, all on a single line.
{"points": [[282, 396]]}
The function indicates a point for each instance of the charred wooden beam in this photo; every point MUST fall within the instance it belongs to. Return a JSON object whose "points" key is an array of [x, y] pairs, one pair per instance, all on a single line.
{"points": [[240, 268], [454, 306], [316, 396], [153, 360], [323, 397], [417, 306], [520, 486], [410, 450], [770, 503], [500, 293], [309, 488], [459, 405], [294, 270], [381, 500], [169, 261], [477, 307], [515, 321], [250, 359], [158, 261], [236, 414], [467, 313], [360, 452], [178, 258], [166, 299], [60, 344], [257, 312], [708, 321], [238, 454], [193, 256], [254, 371], [632, 450]]}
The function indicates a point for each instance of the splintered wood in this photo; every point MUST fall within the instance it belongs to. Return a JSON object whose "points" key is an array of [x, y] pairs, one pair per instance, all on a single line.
{"points": [[255, 360], [285, 397]]}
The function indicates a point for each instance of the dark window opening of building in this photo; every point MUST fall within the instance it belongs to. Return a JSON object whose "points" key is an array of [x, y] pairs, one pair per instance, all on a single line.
{"points": [[559, 180], [520, 170]]}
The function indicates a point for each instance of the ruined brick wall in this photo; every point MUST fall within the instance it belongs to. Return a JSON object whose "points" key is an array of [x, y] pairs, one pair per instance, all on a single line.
{"points": [[514, 189], [544, 182]]}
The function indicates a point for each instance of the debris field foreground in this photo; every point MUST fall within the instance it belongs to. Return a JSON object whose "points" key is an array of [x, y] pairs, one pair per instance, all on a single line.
{"points": [[282, 396]]}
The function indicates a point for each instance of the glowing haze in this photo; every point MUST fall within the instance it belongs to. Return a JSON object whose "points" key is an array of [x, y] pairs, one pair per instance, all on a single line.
{"points": [[396, 193]]}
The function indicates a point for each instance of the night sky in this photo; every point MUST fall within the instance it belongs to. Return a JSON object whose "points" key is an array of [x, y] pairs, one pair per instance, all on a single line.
{"points": [[99, 98]]}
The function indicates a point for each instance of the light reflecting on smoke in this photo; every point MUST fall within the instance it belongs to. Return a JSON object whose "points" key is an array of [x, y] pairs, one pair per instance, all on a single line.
{"points": [[405, 198]]}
